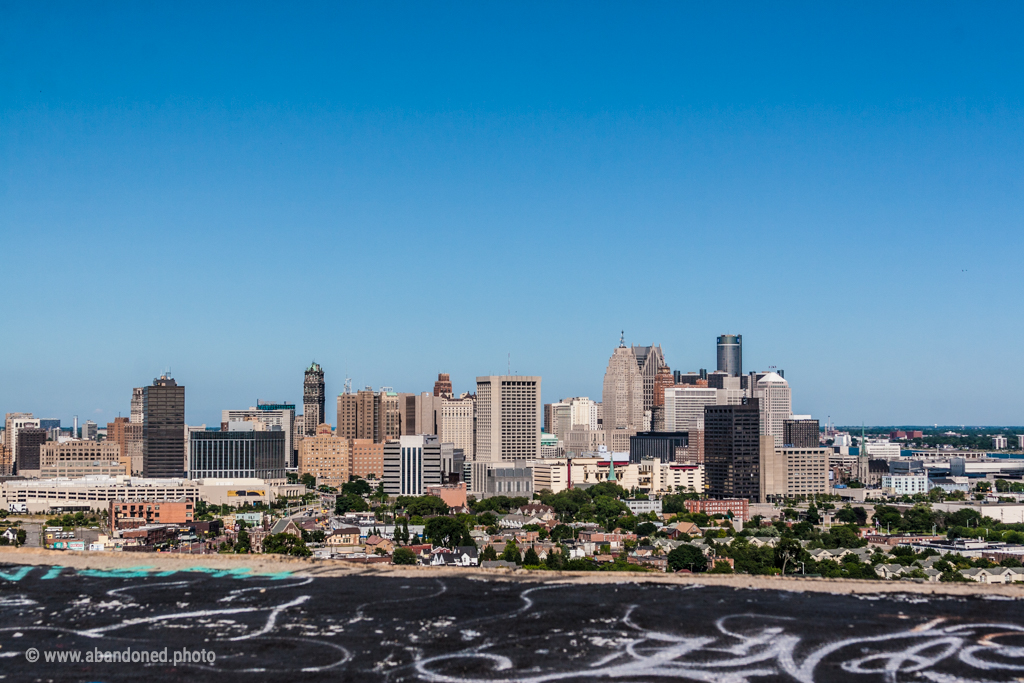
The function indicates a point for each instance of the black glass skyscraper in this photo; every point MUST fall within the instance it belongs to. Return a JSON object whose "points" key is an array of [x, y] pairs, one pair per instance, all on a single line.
{"points": [[313, 399], [163, 429], [730, 354], [732, 450]]}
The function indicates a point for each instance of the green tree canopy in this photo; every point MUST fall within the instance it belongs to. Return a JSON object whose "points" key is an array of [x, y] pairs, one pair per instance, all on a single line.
{"points": [[403, 556], [687, 557]]}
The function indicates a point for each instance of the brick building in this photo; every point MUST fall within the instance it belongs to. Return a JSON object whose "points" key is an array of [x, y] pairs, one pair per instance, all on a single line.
{"points": [[131, 514], [739, 507]]}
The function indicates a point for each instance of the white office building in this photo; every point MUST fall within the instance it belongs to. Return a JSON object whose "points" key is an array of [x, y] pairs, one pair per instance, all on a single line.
{"points": [[905, 484], [412, 463], [455, 423], [882, 449], [776, 406], [272, 415], [684, 406], [508, 418]]}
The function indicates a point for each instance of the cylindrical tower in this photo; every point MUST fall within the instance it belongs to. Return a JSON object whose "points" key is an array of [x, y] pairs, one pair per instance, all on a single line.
{"points": [[730, 354]]}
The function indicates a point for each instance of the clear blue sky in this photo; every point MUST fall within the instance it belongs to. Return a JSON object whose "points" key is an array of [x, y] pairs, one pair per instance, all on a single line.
{"points": [[395, 190]]}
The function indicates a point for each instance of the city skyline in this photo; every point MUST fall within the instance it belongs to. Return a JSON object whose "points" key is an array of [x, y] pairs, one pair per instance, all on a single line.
{"points": [[842, 191]]}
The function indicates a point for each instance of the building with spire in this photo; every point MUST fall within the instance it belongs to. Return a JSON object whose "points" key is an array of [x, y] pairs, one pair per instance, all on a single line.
{"points": [[623, 396], [649, 360], [313, 399]]}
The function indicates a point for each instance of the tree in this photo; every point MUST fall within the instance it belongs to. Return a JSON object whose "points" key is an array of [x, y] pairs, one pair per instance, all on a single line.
{"points": [[308, 480], [448, 532], [403, 556], [286, 544], [1010, 561], [489, 554], [645, 529], [888, 516], [511, 552], [530, 558], [721, 567], [243, 545], [359, 487], [687, 557], [349, 502], [423, 506], [786, 551], [554, 561], [562, 532], [812, 515]]}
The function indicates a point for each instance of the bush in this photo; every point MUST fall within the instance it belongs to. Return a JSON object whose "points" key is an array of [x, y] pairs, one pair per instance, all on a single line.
{"points": [[403, 556], [721, 567]]}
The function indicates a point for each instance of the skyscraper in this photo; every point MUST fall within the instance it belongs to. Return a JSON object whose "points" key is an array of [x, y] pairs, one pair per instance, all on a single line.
{"points": [[313, 398], [623, 397], [776, 406], [732, 450], [649, 361], [412, 463], [508, 418], [163, 429], [730, 354]]}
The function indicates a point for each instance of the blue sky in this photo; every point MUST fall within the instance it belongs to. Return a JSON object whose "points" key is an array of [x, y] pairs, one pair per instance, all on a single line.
{"points": [[397, 190]]}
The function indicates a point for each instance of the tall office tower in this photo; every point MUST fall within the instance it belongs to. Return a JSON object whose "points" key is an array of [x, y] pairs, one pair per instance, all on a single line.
{"points": [[163, 429], [730, 354], [14, 423], [455, 423], [412, 463], [90, 430], [348, 416], [649, 360], [390, 415], [30, 440], [684, 406], [443, 385], [508, 418], [559, 418], [800, 431], [426, 414], [776, 406], [732, 450], [663, 380], [584, 412], [136, 409], [366, 419], [314, 408], [623, 398], [116, 433]]}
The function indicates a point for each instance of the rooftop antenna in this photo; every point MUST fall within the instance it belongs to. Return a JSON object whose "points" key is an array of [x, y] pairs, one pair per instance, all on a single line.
{"points": [[622, 339]]}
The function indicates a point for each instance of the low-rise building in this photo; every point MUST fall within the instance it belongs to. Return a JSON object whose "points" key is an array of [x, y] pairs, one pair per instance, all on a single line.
{"points": [[131, 514], [739, 508], [905, 484]]}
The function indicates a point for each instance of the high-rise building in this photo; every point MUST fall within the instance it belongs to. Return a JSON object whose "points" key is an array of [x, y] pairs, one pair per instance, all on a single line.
{"points": [[313, 398], [623, 397], [389, 415], [793, 473], [684, 406], [89, 430], [163, 429], [272, 415], [128, 436], [30, 441], [732, 450], [776, 406], [999, 442], [14, 423], [455, 423], [508, 418], [730, 354], [326, 456], [649, 361], [443, 385], [558, 419], [136, 408], [247, 450], [800, 431], [663, 380], [412, 463]]}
